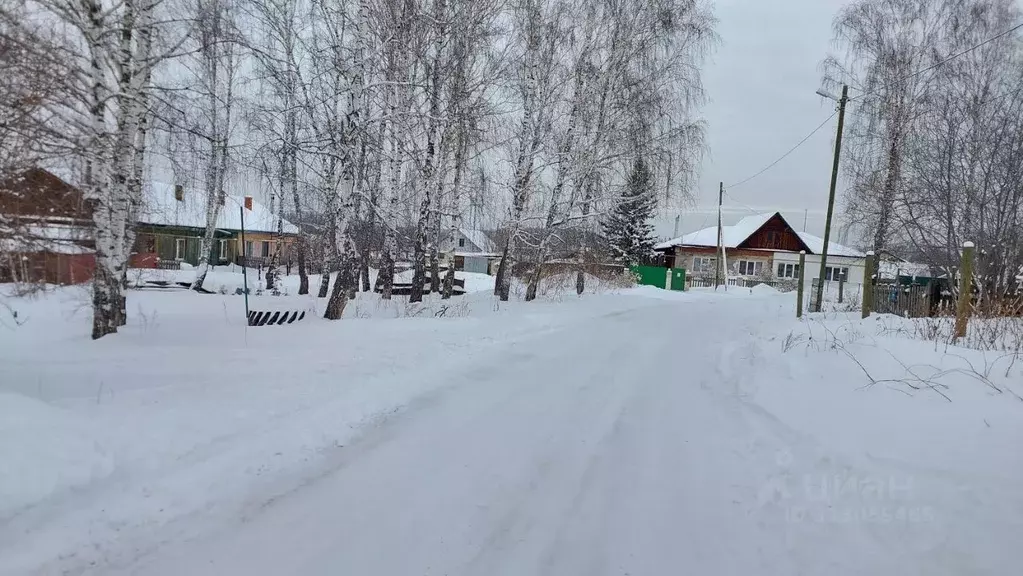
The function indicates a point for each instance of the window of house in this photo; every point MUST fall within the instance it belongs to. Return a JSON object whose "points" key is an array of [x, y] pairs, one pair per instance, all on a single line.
{"points": [[786, 270], [773, 239], [248, 248], [179, 248], [750, 267], [461, 242], [223, 249], [836, 273], [265, 248], [703, 264]]}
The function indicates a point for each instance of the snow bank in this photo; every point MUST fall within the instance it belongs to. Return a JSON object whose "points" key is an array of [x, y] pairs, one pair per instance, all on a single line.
{"points": [[44, 450], [919, 440], [763, 289]]}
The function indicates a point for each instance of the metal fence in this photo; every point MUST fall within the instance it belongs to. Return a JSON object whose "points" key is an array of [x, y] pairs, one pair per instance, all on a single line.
{"points": [[908, 301]]}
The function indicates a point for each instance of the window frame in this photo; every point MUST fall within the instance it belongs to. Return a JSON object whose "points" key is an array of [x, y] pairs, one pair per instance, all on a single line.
{"points": [[704, 264], [787, 270], [829, 273], [750, 267], [264, 248], [180, 247]]}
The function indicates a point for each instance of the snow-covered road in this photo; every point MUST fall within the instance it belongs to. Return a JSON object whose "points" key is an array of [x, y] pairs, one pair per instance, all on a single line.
{"points": [[618, 445], [640, 433]]}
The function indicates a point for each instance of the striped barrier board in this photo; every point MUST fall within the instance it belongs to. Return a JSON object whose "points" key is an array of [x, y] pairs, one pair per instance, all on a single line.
{"points": [[268, 318]]}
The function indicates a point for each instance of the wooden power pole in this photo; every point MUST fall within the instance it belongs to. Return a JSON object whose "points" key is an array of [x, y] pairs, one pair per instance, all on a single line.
{"points": [[721, 242], [831, 197]]}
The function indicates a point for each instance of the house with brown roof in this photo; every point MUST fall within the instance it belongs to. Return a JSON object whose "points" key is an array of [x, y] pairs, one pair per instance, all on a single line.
{"points": [[762, 246]]}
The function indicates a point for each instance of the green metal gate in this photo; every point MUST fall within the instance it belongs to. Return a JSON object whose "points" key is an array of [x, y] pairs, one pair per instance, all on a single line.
{"points": [[667, 278]]}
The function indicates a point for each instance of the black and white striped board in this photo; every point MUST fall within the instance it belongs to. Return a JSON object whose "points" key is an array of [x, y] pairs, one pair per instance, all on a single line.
{"points": [[268, 318]]}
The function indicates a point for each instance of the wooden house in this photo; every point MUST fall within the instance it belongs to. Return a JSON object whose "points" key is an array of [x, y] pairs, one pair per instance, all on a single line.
{"points": [[45, 230], [172, 222], [761, 246]]}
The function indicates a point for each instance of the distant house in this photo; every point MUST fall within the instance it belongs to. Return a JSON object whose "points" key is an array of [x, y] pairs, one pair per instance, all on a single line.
{"points": [[45, 230], [762, 246], [474, 251], [172, 222]]}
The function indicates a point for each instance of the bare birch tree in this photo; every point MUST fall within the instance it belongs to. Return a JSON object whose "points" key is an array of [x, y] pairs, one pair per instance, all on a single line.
{"points": [[218, 59]]}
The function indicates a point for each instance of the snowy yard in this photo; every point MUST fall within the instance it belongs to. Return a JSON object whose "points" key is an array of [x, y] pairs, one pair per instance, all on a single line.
{"points": [[637, 431]]}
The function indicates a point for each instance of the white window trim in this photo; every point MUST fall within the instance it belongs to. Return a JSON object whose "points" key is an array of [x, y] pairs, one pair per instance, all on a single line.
{"points": [[788, 270], [757, 267], [250, 248], [223, 249], [179, 248]]}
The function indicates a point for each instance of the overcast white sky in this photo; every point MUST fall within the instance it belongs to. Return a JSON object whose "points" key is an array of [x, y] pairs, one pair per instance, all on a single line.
{"points": [[761, 82]]}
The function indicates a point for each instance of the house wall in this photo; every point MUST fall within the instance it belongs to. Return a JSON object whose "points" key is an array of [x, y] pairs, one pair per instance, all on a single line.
{"points": [[684, 256], [159, 243], [259, 250], [47, 267], [856, 268], [463, 244], [478, 264]]}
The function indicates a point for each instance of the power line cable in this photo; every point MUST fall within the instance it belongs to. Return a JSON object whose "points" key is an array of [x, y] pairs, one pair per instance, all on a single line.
{"points": [[785, 155], [950, 58], [741, 204]]}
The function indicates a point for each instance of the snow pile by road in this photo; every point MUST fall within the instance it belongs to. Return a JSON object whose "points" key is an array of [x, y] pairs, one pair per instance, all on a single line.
{"points": [[917, 442]]}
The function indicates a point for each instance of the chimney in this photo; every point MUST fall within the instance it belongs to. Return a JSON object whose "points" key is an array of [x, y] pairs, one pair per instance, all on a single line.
{"points": [[179, 192], [248, 202]]}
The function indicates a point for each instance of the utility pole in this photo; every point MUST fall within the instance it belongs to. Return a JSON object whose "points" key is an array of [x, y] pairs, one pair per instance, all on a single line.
{"points": [[831, 194], [805, 212], [721, 244], [677, 217]]}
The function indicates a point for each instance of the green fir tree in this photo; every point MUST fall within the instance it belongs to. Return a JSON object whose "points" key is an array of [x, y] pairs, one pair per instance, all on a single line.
{"points": [[627, 231]]}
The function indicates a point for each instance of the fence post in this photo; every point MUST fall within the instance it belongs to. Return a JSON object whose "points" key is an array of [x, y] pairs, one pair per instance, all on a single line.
{"points": [[868, 286], [841, 288], [963, 306], [799, 286]]}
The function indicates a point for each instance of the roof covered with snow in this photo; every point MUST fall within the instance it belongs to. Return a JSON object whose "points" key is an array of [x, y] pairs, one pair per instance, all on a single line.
{"points": [[31, 245], [736, 234], [891, 269], [160, 208], [816, 246], [479, 239]]}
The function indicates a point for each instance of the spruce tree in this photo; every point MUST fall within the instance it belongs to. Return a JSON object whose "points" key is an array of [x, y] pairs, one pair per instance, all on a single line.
{"points": [[627, 231]]}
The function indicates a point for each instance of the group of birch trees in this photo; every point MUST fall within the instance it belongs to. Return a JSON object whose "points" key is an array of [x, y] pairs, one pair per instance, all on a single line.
{"points": [[936, 132], [373, 124]]}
